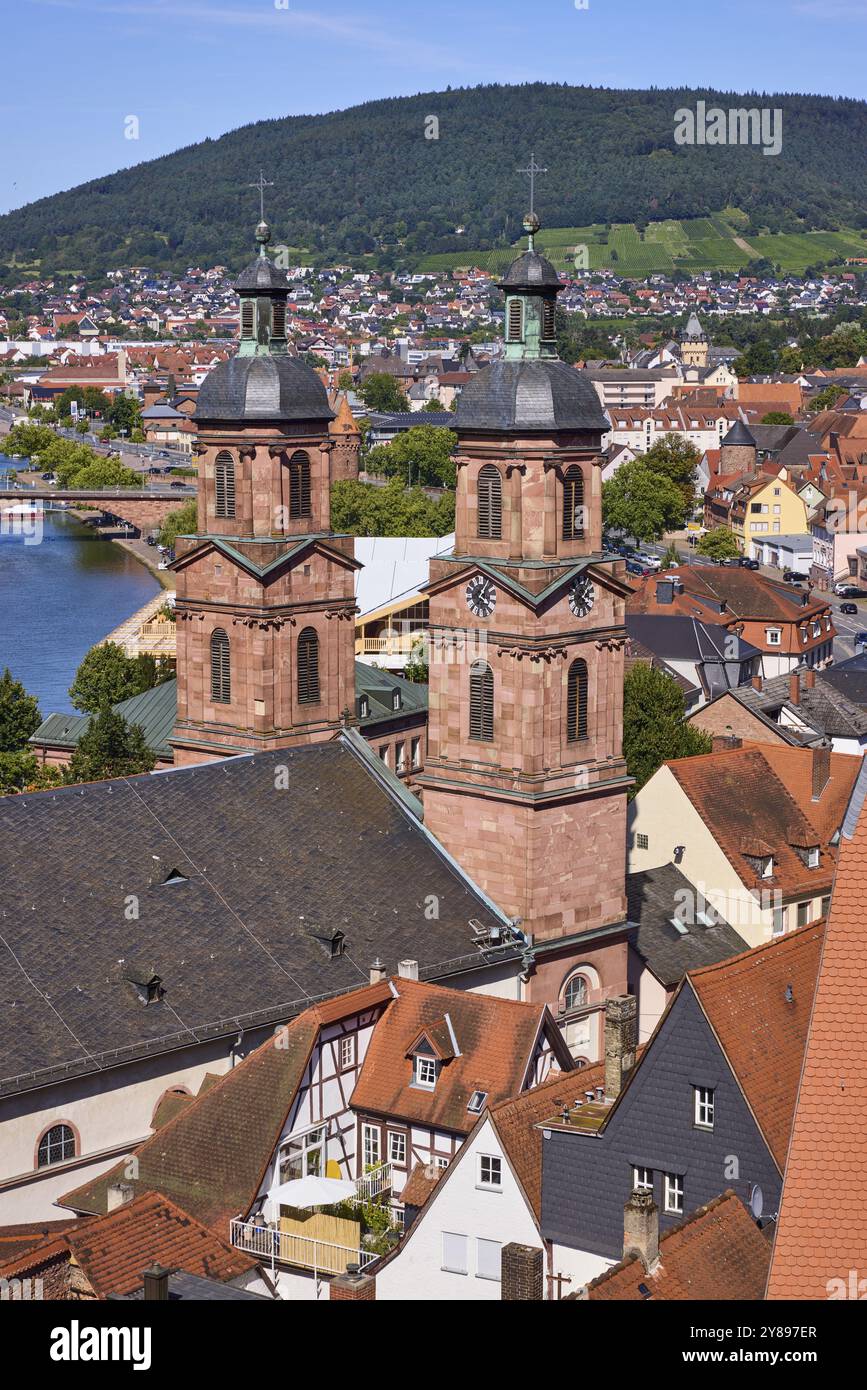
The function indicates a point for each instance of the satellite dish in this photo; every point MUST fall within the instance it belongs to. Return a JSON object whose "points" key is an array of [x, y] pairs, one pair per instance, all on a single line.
{"points": [[757, 1201]]}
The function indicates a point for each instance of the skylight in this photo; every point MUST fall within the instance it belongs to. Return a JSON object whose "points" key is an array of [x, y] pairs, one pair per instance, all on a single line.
{"points": [[476, 1102]]}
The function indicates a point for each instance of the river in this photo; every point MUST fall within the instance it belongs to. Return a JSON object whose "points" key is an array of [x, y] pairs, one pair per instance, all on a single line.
{"points": [[58, 597]]}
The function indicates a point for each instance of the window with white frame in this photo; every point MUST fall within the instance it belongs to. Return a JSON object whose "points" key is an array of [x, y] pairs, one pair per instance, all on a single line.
{"points": [[703, 1107], [425, 1072], [397, 1147], [347, 1052], [674, 1193], [778, 924], [490, 1171], [416, 752], [488, 1259], [454, 1252], [400, 756], [303, 1156], [371, 1146], [642, 1178], [773, 635]]}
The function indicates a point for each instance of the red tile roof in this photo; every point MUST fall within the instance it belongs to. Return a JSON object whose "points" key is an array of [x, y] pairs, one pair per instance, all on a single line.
{"points": [[113, 1250], [821, 1239], [758, 1005], [718, 1254]]}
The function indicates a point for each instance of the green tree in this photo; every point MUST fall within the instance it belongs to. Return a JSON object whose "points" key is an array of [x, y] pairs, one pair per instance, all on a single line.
{"points": [[107, 675], [675, 458], [421, 455], [653, 724], [109, 748], [642, 502], [104, 472], [21, 771], [825, 400], [381, 392], [362, 509], [183, 522], [777, 417], [718, 544], [19, 714]]}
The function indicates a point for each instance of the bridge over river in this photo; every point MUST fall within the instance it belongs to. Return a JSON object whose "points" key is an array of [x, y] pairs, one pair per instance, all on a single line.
{"points": [[142, 507]]}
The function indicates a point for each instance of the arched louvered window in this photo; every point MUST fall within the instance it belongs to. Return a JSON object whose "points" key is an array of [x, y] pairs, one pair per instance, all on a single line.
{"points": [[278, 326], [516, 321], [308, 667], [490, 488], [221, 671], [576, 701], [248, 314], [224, 480], [549, 320], [481, 702], [573, 503], [299, 484], [56, 1145]]}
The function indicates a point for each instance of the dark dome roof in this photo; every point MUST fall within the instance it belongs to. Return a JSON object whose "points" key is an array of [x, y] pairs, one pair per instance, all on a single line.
{"points": [[264, 388], [539, 394], [739, 434], [262, 274], [529, 270]]}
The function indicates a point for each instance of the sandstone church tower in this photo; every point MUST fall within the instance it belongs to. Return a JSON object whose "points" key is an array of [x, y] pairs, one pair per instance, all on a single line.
{"points": [[265, 591], [525, 783]]}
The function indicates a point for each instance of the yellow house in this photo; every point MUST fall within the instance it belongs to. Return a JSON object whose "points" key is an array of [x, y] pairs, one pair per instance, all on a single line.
{"points": [[766, 506]]}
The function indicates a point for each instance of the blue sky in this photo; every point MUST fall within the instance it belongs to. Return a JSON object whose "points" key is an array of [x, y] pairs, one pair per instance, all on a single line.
{"points": [[189, 69]]}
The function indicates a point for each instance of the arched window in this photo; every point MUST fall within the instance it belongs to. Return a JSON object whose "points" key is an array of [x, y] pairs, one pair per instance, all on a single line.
{"points": [[575, 994], [299, 484], [221, 669], [481, 702], [224, 480], [308, 667], [576, 702], [573, 503], [490, 503], [56, 1145], [516, 321]]}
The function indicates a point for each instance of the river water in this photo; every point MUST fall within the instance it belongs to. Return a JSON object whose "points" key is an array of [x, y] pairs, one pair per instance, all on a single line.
{"points": [[58, 596]]}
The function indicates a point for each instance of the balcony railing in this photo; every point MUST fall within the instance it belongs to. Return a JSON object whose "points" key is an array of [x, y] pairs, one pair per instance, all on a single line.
{"points": [[304, 1252], [373, 1184], [400, 644]]}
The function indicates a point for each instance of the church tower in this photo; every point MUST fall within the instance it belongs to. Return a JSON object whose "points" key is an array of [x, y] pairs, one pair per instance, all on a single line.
{"points": [[694, 343], [265, 590], [525, 782]]}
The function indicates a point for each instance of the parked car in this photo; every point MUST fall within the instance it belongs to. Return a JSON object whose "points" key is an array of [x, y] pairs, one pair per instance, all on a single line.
{"points": [[861, 639], [176, 483], [791, 578], [849, 608], [652, 562], [746, 563], [635, 567], [848, 591]]}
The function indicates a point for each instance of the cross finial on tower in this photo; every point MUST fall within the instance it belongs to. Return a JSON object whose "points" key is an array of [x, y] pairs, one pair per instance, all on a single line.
{"points": [[261, 183], [532, 170]]}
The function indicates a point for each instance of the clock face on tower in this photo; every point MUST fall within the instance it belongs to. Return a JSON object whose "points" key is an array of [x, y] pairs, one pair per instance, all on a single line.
{"points": [[481, 596], [582, 596]]}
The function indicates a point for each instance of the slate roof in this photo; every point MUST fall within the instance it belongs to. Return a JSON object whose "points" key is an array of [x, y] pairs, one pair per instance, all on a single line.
{"points": [[652, 901], [528, 271], [820, 1240], [718, 1254], [534, 396], [266, 875], [263, 388], [495, 1041], [828, 707], [200, 1290], [113, 1250], [738, 434]]}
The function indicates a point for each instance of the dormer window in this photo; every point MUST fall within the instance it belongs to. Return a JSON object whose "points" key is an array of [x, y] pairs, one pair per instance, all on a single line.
{"points": [[363, 707], [425, 1072], [395, 700]]}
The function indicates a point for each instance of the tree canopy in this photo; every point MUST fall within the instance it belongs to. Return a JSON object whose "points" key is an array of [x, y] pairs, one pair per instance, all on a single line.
{"points": [[109, 748], [653, 724], [421, 455], [362, 509], [719, 544], [642, 502], [380, 392], [19, 714], [107, 675]]}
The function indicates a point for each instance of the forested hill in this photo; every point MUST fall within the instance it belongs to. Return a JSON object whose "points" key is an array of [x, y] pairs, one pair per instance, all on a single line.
{"points": [[367, 179]]}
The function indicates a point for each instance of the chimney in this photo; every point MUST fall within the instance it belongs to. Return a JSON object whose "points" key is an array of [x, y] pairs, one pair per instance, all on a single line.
{"points": [[377, 972], [757, 682], [521, 1273], [156, 1284], [641, 1228], [794, 688], [809, 678], [621, 1032], [821, 768], [664, 590], [723, 743], [353, 1286], [407, 969], [118, 1194]]}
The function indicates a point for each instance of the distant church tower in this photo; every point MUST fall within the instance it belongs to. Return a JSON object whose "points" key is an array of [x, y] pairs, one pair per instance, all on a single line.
{"points": [[265, 592], [694, 344], [345, 444], [525, 782]]}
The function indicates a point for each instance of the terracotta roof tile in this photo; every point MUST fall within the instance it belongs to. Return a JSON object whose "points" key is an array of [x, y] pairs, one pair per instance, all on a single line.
{"points": [[820, 1240], [422, 1181], [718, 1254]]}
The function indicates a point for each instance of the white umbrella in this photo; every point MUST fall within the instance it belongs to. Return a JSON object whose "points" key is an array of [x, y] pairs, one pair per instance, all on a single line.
{"points": [[312, 1192]]}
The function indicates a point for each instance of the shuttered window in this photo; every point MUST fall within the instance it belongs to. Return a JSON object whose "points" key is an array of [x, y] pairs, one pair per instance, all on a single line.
{"points": [[549, 321], [573, 503], [308, 667], [299, 484], [490, 503], [221, 674], [481, 702], [576, 704], [247, 315], [278, 312], [516, 320], [224, 478]]}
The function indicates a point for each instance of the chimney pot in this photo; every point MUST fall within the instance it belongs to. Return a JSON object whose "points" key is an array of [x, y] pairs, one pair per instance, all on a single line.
{"points": [[641, 1227], [407, 969]]}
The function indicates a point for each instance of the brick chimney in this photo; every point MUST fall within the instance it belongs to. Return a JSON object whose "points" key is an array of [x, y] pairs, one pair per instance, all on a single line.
{"points": [[809, 678], [794, 688], [353, 1286], [621, 1038], [757, 682], [641, 1227], [156, 1283], [522, 1269], [821, 768]]}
